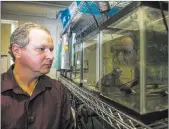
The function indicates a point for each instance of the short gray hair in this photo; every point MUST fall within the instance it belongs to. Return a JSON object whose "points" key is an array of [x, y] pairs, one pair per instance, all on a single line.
{"points": [[21, 35]]}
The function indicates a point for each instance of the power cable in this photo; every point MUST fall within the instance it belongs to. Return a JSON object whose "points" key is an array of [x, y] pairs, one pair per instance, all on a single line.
{"points": [[92, 15], [164, 19]]}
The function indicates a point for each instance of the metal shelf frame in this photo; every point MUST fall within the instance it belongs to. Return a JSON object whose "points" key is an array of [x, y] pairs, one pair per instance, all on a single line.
{"points": [[114, 117], [79, 27]]}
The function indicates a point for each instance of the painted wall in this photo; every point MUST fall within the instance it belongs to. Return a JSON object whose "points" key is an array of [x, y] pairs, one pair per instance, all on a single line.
{"points": [[5, 34]]}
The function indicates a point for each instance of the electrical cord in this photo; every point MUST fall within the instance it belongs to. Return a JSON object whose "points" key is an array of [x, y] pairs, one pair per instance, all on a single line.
{"points": [[92, 123], [164, 19], [83, 116], [92, 14], [107, 16]]}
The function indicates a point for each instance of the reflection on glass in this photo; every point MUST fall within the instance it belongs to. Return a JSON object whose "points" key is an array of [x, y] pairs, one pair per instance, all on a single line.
{"points": [[76, 63], [121, 61], [123, 51], [89, 62]]}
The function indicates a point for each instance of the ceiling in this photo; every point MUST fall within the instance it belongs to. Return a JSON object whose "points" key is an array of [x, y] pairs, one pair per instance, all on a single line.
{"points": [[47, 9], [56, 3]]}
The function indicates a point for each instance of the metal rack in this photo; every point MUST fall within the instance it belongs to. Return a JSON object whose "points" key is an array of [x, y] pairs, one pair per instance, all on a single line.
{"points": [[111, 115]]}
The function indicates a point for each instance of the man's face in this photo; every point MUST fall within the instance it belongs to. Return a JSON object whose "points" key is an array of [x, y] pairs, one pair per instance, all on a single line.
{"points": [[37, 55]]}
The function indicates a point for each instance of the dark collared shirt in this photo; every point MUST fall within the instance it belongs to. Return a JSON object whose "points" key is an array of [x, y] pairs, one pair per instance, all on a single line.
{"points": [[47, 108]]}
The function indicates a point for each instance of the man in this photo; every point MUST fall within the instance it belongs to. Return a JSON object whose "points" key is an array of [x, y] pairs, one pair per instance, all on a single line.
{"points": [[29, 98], [124, 51]]}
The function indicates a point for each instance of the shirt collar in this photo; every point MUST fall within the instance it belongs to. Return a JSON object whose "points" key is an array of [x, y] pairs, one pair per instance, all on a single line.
{"points": [[45, 81], [8, 81]]}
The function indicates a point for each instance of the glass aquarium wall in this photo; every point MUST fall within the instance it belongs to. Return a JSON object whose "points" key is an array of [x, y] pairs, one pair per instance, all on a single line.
{"points": [[76, 62], [134, 60], [90, 62], [156, 60]]}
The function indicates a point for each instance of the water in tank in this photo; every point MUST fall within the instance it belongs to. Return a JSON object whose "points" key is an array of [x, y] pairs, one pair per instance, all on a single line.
{"points": [[134, 61]]}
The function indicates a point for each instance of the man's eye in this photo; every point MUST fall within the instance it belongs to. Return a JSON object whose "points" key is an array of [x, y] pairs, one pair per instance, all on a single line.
{"points": [[42, 49], [51, 49]]}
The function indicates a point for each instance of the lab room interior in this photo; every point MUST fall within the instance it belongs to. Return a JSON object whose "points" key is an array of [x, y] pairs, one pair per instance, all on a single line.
{"points": [[110, 58]]}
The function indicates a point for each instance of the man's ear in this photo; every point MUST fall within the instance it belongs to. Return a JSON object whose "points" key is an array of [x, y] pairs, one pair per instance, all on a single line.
{"points": [[16, 49]]}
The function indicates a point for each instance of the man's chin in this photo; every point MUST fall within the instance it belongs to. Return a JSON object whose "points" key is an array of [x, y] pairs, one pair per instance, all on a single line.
{"points": [[43, 72]]}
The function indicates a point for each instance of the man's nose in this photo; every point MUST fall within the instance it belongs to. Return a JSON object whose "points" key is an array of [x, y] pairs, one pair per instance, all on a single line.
{"points": [[49, 54]]}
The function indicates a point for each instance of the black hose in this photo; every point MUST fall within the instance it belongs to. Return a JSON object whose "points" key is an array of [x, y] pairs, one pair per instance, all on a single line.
{"points": [[92, 14], [164, 20], [92, 121]]}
